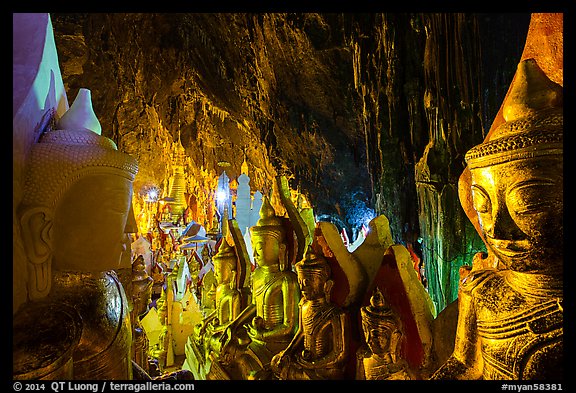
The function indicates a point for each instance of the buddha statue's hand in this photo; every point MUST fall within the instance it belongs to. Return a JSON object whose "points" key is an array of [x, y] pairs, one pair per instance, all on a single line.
{"points": [[277, 361], [256, 329], [198, 332], [280, 364], [227, 347], [211, 325], [226, 338], [306, 355], [304, 361], [208, 329], [226, 355]]}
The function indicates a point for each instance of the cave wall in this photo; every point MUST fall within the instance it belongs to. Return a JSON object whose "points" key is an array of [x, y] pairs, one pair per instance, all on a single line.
{"points": [[430, 85], [361, 111], [273, 88]]}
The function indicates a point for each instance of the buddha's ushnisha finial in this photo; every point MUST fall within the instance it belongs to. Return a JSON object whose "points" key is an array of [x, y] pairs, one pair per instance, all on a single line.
{"points": [[378, 314], [534, 121], [531, 93], [81, 114]]}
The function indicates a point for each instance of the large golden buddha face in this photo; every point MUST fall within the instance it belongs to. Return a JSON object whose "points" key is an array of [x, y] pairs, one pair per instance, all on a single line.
{"points": [[267, 249], [311, 284], [377, 339], [222, 272], [89, 223], [520, 209]]}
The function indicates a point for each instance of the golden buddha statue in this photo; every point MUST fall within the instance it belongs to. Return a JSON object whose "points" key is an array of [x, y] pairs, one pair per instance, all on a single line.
{"points": [[141, 298], [159, 352], [377, 359], [77, 198], [320, 348], [228, 298], [510, 323], [267, 325], [165, 353]]}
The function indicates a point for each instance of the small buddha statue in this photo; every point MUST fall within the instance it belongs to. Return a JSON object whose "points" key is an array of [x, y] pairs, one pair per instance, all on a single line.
{"points": [[377, 359], [159, 353], [205, 255], [228, 299], [510, 323], [77, 198], [267, 325], [228, 296], [320, 348], [141, 298]]}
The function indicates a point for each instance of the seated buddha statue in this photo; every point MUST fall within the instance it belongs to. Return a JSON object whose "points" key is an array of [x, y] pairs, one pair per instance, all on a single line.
{"points": [[510, 323], [77, 199], [266, 326], [377, 359], [158, 351], [228, 296], [206, 336], [141, 298], [320, 348]]}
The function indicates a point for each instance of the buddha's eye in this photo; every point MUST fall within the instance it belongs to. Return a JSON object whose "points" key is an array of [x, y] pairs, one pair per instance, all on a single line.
{"points": [[533, 198], [481, 200]]}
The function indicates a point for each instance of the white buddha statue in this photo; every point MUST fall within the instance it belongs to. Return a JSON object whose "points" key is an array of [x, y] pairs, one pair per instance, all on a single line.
{"points": [[76, 204]]}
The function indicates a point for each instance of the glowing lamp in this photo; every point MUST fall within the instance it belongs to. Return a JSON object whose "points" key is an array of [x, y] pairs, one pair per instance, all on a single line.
{"points": [[221, 196], [152, 195]]}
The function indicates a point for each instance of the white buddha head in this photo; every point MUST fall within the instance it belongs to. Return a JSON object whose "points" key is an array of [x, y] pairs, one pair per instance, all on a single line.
{"points": [[76, 205]]}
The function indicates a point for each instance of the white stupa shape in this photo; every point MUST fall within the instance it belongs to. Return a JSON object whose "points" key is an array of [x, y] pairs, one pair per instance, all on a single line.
{"points": [[243, 201], [81, 114]]}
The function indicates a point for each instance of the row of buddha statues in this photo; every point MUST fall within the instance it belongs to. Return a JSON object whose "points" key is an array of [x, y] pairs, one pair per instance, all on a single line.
{"points": [[310, 309], [225, 331]]}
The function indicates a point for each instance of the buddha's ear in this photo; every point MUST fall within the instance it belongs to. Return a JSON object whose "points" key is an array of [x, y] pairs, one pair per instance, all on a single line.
{"points": [[283, 256], [36, 225], [395, 337], [328, 288]]}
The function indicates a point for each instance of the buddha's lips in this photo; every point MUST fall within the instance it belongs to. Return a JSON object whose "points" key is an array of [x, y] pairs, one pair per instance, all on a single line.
{"points": [[510, 248]]}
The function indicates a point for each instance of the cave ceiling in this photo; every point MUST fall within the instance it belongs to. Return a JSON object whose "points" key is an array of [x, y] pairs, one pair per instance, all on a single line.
{"points": [[339, 103]]}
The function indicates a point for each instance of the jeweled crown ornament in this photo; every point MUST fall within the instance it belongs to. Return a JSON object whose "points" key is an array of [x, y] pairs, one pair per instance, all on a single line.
{"points": [[533, 121], [63, 155], [313, 264]]}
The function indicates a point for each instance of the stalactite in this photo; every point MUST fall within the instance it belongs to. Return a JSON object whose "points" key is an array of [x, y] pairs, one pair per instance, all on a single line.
{"points": [[382, 103], [451, 41]]}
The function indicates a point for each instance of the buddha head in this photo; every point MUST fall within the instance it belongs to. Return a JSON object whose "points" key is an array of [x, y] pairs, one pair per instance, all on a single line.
{"points": [[268, 238], [141, 286], [76, 204], [314, 276], [517, 176], [224, 263], [379, 324]]}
